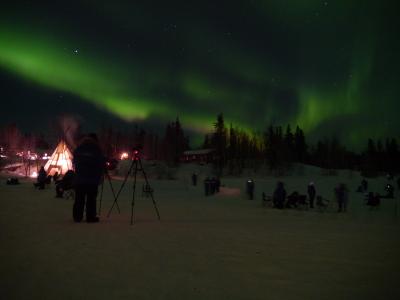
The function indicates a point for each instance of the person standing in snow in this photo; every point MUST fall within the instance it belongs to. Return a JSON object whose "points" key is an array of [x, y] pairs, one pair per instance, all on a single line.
{"points": [[311, 193], [89, 163], [279, 196], [250, 188], [207, 187], [217, 184], [341, 193], [41, 179], [194, 179]]}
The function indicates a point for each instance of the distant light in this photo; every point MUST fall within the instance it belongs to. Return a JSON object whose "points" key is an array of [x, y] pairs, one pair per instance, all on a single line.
{"points": [[32, 156], [124, 155], [76, 51], [34, 175]]}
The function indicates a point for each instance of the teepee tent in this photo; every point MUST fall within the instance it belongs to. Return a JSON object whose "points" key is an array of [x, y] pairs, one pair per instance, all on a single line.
{"points": [[60, 161]]}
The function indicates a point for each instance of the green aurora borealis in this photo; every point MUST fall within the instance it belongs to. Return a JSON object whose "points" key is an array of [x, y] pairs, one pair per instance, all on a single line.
{"points": [[329, 66]]}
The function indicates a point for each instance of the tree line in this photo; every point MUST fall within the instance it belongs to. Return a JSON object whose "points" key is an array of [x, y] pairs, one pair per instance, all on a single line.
{"points": [[279, 148], [235, 149]]}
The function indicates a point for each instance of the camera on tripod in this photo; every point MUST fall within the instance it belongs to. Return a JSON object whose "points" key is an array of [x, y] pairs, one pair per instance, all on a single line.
{"points": [[136, 152], [135, 167]]}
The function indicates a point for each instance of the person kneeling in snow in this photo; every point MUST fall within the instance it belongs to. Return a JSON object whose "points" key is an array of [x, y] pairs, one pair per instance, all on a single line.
{"points": [[90, 164]]}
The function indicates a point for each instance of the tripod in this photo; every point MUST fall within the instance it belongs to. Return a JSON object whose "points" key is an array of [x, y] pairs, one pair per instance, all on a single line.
{"points": [[107, 175], [135, 167]]}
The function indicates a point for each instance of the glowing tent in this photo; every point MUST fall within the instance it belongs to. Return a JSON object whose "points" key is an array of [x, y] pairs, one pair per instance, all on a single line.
{"points": [[60, 161]]}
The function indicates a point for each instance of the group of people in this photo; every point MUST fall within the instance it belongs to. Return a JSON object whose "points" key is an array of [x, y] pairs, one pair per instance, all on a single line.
{"points": [[90, 163], [211, 185], [281, 200], [62, 184], [374, 199]]}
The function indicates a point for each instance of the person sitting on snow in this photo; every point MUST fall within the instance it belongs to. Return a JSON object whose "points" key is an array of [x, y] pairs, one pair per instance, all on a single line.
{"points": [[292, 200], [373, 200], [66, 183]]}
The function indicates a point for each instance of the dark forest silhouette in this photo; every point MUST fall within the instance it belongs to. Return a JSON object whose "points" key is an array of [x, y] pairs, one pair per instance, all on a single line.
{"points": [[235, 149]]}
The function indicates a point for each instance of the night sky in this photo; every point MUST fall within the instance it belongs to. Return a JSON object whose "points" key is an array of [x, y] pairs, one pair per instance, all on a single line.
{"points": [[329, 66]]}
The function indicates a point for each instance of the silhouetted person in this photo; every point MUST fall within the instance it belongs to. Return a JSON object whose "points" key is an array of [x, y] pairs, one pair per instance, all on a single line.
{"points": [[293, 198], [41, 179], [66, 183], [279, 195], [13, 181], [341, 193], [213, 185], [207, 187], [311, 193], [89, 165], [250, 189], [320, 202], [56, 177], [364, 185], [194, 179], [217, 184]]}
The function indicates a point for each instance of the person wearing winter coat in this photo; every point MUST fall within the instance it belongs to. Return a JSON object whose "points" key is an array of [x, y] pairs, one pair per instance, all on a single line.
{"points": [[66, 183], [250, 188], [89, 163], [279, 195], [311, 193], [41, 179], [342, 196]]}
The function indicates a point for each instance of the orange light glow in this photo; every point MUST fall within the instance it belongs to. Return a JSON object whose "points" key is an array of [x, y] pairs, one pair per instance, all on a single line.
{"points": [[124, 155]]}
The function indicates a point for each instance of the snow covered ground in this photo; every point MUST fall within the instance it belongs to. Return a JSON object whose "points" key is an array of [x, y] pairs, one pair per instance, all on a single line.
{"points": [[217, 247]]}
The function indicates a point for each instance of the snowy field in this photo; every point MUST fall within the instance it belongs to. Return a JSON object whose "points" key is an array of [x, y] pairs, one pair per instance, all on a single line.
{"points": [[217, 247]]}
